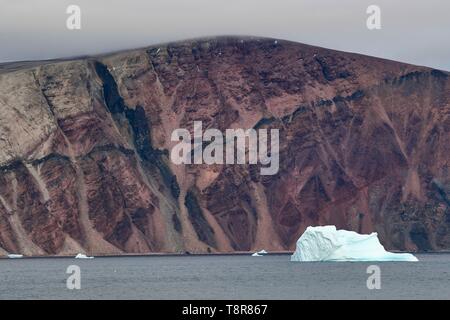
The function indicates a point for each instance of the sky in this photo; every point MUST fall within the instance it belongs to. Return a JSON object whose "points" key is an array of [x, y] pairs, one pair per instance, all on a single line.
{"points": [[414, 31]]}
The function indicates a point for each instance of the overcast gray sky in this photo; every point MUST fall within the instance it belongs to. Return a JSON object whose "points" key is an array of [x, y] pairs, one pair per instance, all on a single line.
{"points": [[414, 31]]}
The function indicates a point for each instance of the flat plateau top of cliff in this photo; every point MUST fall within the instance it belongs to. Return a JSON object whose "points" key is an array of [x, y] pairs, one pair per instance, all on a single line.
{"points": [[218, 40]]}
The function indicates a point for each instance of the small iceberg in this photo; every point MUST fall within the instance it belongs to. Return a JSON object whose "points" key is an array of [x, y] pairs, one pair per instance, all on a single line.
{"points": [[328, 244], [260, 253], [15, 256], [82, 256]]}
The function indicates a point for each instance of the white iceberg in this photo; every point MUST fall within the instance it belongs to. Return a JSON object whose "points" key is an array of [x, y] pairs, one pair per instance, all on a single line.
{"points": [[260, 253], [328, 244], [15, 256], [82, 256]]}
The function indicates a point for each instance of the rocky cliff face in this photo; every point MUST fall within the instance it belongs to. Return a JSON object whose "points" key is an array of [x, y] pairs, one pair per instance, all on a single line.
{"points": [[84, 149]]}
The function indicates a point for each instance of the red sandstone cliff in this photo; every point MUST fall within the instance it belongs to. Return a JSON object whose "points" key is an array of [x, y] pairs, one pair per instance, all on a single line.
{"points": [[84, 145]]}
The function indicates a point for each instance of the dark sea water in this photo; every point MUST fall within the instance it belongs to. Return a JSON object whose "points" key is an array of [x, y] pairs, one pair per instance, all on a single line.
{"points": [[222, 277]]}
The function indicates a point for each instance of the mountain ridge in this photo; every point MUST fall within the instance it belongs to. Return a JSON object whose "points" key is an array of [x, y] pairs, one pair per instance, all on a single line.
{"points": [[10, 66]]}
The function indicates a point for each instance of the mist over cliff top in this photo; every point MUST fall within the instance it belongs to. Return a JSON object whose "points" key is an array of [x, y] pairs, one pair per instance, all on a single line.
{"points": [[413, 33]]}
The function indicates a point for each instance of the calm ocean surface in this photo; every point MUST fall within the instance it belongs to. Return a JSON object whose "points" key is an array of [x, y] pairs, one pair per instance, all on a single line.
{"points": [[222, 277]]}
